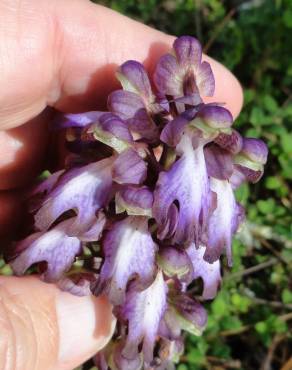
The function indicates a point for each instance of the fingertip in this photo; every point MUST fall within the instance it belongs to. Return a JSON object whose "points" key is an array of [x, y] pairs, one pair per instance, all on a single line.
{"points": [[85, 326], [45, 328]]}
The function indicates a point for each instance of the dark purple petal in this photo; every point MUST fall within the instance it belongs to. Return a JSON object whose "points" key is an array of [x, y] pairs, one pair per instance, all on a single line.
{"points": [[125, 103], [85, 189], [167, 76], [255, 150], [112, 131], [221, 222], [231, 143], [54, 247], [209, 272], [215, 117], [76, 120], [167, 230], [184, 313], [129, 168], [187, 184], [175, 262], [142, 124], [135, 201], [250, 161], [130, 107], [183, 74], [173, 131], [77, 283], [250, 175], [188, 51], [144, 310], [134, 78], [129, 251], [219, 162]]}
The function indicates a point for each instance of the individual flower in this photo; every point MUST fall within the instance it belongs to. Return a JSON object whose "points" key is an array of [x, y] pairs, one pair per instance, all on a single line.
{"points": [[144, 310], [183, 313], [129, 251], [68, 194], [249, 162], [186, 184], [183, 74], [54, 247], [208, 272], [136, 103]]}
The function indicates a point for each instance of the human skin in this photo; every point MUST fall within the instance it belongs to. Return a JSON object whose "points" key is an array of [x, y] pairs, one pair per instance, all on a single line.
{"points": [[60, 54]]}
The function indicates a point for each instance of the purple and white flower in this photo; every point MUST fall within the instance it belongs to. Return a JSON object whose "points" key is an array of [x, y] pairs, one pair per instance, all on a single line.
{"points": [[145, 206]]}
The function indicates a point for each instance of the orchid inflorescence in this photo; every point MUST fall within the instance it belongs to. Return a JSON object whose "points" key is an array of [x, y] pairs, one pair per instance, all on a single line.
{"points": [[147, 198]]}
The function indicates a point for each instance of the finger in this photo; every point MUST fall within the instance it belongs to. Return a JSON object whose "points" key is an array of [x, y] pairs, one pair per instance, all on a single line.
{"points": [[69, 54], [22, 151], [44, 328]]}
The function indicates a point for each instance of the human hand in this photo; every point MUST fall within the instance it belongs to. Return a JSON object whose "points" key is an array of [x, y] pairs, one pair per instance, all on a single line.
{"points": [[60, 54]]}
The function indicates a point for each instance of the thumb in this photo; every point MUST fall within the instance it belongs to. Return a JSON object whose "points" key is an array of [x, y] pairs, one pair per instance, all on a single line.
{"points": [[44, 328]]}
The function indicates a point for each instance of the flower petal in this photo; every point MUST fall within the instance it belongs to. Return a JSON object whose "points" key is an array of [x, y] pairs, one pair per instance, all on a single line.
{"points": [[205, 80], [209, 272], [112, 131], [129, 168], [184, 313], [134, 78], [231, 142], [186, 183], [129, 250], [183, 74], [144, 310], [77, 119], [221, 222], [219, 162], [54, 247], [175, 262], [85, 189], [130, 107], [94, 232], [77, 284], [250, 161], [125, 103], [135, 201]]}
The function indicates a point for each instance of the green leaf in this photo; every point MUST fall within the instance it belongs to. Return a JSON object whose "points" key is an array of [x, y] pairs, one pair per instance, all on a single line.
{"points": [[286, 296], [266, 206], [287, 18], [273, 182], [270, 104]]}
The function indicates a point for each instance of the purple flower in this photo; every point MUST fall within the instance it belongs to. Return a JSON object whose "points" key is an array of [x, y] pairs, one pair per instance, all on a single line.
{"points": [[144, 310], [147, 204], [54, 247], [209, 272], [136, 104], [129, 251], [184, 73], [183, 313], [136, 201], [85, 190]]}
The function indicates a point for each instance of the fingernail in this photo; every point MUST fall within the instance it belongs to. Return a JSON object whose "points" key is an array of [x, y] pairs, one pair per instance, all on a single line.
{"points": [[85, 326]]}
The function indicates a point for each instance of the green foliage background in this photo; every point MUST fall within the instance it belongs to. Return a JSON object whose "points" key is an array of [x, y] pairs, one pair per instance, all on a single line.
{"points": [[249, 321]]}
